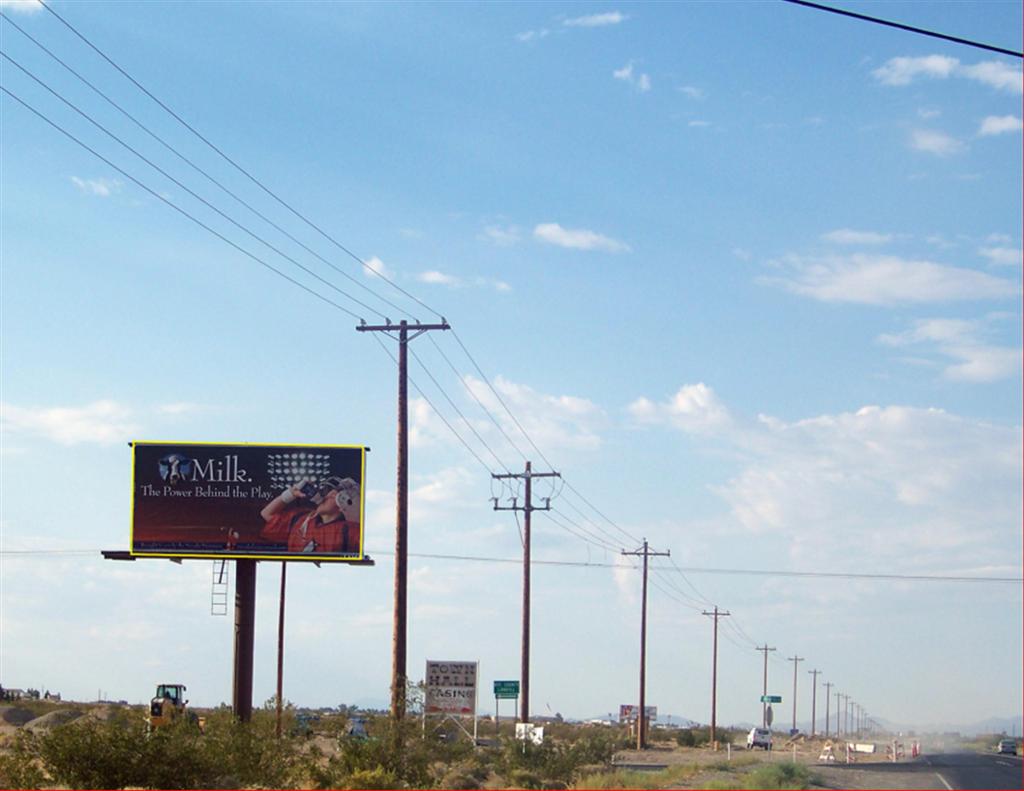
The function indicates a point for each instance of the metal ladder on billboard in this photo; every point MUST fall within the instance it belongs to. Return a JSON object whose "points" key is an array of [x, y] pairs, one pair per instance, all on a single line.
{"points": [[219, 588]]}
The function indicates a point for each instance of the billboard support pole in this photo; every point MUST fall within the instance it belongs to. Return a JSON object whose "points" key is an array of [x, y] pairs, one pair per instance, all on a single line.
{"points": [[245, 631], [280, 648], [398, 644]]}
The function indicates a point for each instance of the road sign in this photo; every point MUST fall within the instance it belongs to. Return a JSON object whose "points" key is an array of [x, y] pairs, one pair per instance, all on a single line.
{"points": [[771, 698], [769, 716], [506, 689]]}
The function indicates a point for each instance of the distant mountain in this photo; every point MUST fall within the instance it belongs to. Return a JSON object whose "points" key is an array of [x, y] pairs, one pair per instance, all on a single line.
{"points": [[1009, 725]]}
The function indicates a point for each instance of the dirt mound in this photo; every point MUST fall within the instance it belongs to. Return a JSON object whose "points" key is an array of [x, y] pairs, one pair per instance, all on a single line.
{"points": [[53, 719], [13, 715]]}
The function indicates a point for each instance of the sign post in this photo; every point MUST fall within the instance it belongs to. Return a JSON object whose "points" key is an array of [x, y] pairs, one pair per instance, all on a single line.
{"points": [[503, 689]]}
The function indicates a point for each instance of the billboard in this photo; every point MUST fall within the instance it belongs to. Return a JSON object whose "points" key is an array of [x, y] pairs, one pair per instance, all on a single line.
{"points": [[451, 688], [628, 712], [203, 500]]}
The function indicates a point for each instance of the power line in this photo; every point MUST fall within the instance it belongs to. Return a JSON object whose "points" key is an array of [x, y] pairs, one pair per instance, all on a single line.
{"points": [[177, 208], [198, 197], [910, 28], [194, 166], [234, 164]]}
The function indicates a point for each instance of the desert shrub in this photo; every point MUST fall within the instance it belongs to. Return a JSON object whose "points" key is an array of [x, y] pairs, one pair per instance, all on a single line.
{"points": [[780, 775], [395, 754], [20, 764]]}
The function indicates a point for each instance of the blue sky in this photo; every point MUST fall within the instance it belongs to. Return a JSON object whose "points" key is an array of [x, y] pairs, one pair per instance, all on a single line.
{"points": [[747, 274]]}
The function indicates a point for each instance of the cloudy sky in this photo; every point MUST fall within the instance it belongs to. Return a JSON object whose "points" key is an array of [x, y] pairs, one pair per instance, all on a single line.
{"points": [[747, 274]]}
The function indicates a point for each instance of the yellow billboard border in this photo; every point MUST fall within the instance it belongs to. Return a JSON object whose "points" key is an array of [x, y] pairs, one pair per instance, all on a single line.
{"points": [[360, 558]]}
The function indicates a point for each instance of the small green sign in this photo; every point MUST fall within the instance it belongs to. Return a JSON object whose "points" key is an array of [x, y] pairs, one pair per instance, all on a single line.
{"points": [[506, 689], [771, 698]]}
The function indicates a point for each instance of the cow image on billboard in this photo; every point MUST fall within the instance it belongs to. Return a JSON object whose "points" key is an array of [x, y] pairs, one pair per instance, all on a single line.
{"points": [[280, 502]]}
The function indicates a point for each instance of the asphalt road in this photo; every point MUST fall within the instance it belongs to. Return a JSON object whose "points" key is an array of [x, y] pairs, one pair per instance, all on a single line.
{"points": [[942, 771], [975, 770]]}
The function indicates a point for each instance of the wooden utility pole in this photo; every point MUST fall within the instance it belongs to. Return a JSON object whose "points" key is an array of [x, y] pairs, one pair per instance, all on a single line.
{"points": [[814, 700], [641, 730], [846, 714], [527, 509], [714, 668], [828, 693], [764, 689], [398, 645], [795, 660]]}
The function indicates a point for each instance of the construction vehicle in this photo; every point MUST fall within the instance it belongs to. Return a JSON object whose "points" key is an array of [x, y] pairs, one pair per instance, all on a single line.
{"points": [[169, 705]]}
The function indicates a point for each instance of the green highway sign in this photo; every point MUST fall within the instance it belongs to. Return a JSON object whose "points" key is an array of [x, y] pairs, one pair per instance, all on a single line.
{"points": [[506, 689], [771, 698]]}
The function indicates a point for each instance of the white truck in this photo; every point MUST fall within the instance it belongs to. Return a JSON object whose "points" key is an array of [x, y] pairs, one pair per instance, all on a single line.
{"points": [[759, 737]]}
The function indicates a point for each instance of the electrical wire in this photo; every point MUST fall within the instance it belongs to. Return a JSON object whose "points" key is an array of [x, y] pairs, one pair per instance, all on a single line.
{"points": [[910, 28], [197, 168], [238, 167], [198, 197], [177, 208]]}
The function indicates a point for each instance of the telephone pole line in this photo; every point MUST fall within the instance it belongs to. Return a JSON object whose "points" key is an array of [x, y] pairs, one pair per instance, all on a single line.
{"points": [[839, 728], [814, 700], [828, 692], [527, 509], [764, 690], [641, 730], [846, 714], [795, 660], [714, 667], [398, 644]]}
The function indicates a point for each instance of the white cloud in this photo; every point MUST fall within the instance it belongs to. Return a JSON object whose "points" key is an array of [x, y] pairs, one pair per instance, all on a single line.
{"points": [[692, 92], [552, 421], [577, 239], [1003, 256], [699, 124], [21, 6], [994, 73], [642, 82], [102, 188], [533, 35], [101, 422], [903, 70], [887, 280], [931, 141], [596, 20], [694, 408], [1000, 124], [374, 267], [963, 341], [927, 113], [503, 237], [849, 236], [439, 278]]}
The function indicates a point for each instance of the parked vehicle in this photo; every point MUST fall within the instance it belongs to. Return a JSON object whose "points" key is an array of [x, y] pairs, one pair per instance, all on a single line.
{"points": [[759, 737], [1007, 747]]}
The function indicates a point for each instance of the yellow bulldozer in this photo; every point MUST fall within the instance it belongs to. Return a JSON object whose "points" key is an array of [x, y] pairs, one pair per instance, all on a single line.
{"points": [[169, 705]]}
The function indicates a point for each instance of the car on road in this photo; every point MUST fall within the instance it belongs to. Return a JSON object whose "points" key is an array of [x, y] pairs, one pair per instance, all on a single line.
{"points": [[1007, 747], [759, 737]]}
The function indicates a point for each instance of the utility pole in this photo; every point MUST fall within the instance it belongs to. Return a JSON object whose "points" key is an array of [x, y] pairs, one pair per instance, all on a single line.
{"points": [[398, 644], [828, 693], [524, 659], [846, 714], [814, 700], [714, 667], [641, 731], [838, 726], [764, 690], [795, 660]]}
